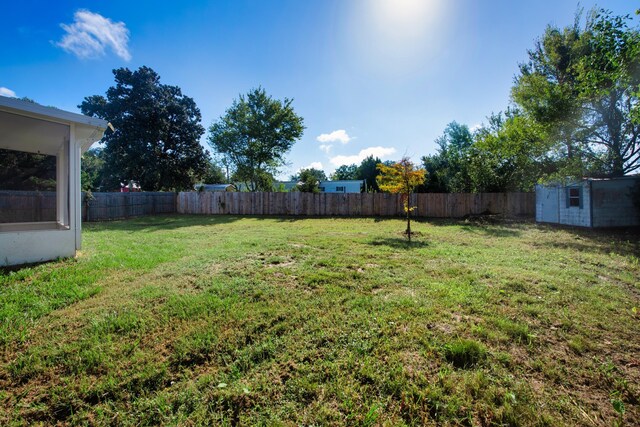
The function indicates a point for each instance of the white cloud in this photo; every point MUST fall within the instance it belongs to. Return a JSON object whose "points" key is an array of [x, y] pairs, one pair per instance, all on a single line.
{"points": [[380, 152], [476, 127], [339, 135], [91, 33], [313, 165], [7, 92], [326, 148]]}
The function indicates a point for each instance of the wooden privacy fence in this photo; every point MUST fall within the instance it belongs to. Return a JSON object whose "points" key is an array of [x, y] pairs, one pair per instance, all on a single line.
{"points": [[27, 206], [31, 206], [433, 205], [106, 206], [35, 206]]}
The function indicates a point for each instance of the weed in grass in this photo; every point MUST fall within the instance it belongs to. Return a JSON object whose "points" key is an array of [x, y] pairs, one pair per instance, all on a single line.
{"points": [[517, 331], [464, 353], [578, 344]]}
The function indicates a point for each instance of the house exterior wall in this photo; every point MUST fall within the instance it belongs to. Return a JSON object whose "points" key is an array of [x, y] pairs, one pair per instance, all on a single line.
{"points": [[340, 186], [22, 243], [23, 247], [613, 203]]}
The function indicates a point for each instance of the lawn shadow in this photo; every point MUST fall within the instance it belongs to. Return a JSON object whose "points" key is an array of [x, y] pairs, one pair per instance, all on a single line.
{"points": [[399, 243], [489, 225], [622, 241], [160, 222], [492, 231]]}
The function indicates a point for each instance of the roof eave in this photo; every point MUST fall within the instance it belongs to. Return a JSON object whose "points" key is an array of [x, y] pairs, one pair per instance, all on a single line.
{"points": [[18, 106]]}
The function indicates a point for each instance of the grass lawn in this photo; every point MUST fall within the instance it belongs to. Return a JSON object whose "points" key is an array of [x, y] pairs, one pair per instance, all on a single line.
{"points": [[185, 320]]}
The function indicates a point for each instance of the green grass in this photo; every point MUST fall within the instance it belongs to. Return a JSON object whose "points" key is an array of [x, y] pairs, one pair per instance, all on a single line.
{"points": [[184, 320]]}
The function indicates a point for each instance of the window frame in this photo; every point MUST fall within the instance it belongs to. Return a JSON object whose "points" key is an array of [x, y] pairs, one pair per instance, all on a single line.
{"points": [[574, 200]]}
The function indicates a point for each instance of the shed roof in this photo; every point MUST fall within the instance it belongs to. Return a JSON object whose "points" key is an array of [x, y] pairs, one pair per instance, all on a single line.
{"points": [[35, 128]]}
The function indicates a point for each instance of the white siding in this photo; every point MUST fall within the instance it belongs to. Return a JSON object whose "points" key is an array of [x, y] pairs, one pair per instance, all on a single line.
{"points": [[613, 203], [340, 186], [574, 215], [547, 205], [24, 247]]}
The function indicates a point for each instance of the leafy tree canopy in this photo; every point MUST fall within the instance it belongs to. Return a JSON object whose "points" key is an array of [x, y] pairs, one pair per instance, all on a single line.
{"points": [[157, 132], [214, 174], [309, 180], [345, 172], [582, 85], [92, 169], [368, 171], [447, 169], [509, 154], [254, 135], [318, 174]]}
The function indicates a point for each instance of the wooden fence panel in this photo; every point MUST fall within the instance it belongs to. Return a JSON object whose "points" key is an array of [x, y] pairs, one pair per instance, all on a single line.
{"points": [[434, 205], [109, 206], [41, 206]]}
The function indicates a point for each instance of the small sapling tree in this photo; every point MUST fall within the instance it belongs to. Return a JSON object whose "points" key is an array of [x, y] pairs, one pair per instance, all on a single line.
{"points": [[401, 178]]}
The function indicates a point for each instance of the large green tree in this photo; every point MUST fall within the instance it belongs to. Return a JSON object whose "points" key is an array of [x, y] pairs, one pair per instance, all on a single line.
{"points": [[317, 174], [345, 172], [309, 180], [582, 84], [510, 153], [369, 172], [157, 132], [254, 135], [448, 167]]}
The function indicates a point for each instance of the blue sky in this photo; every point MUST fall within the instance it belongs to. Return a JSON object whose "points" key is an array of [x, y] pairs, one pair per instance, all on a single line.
{"points": [[380, 77]]}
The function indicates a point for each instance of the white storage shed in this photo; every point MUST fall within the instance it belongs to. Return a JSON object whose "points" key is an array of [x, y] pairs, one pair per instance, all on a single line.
{"points": [[596, 203]]}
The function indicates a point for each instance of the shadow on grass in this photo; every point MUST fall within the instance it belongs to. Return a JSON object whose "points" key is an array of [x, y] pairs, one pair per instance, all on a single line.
{"points": [[160, 222], [622, 241], [492, 231], [399, 243]]}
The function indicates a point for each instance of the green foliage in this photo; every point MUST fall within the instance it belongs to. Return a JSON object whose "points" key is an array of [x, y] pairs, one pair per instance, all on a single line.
{"points": [[92, 169], [345, 173], [27, 171], [510, 154], [369, 172], [464, 353], [448, 168], [214, 175], [581, 85], [318, 174], [254, 135], [309, 180], [157, 133]]}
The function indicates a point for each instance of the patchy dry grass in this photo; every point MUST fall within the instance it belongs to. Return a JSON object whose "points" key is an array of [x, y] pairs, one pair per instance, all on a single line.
{"points": [[243, 321]]}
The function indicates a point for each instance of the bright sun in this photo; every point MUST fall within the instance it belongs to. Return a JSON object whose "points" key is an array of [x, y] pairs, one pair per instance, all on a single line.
{"points": [[399, 30]]}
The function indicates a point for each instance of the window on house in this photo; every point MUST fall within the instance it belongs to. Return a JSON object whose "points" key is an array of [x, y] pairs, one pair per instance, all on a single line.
{"points": [[321, 189], [34, 173], [340, 189], [574, 197]]}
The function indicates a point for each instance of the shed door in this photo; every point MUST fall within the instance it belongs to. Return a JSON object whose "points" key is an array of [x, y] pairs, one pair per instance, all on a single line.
{"points": [[550, 209]]}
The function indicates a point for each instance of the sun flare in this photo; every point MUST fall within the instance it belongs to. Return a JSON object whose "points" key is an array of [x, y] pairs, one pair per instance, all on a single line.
{"points": [[399, 31]]}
